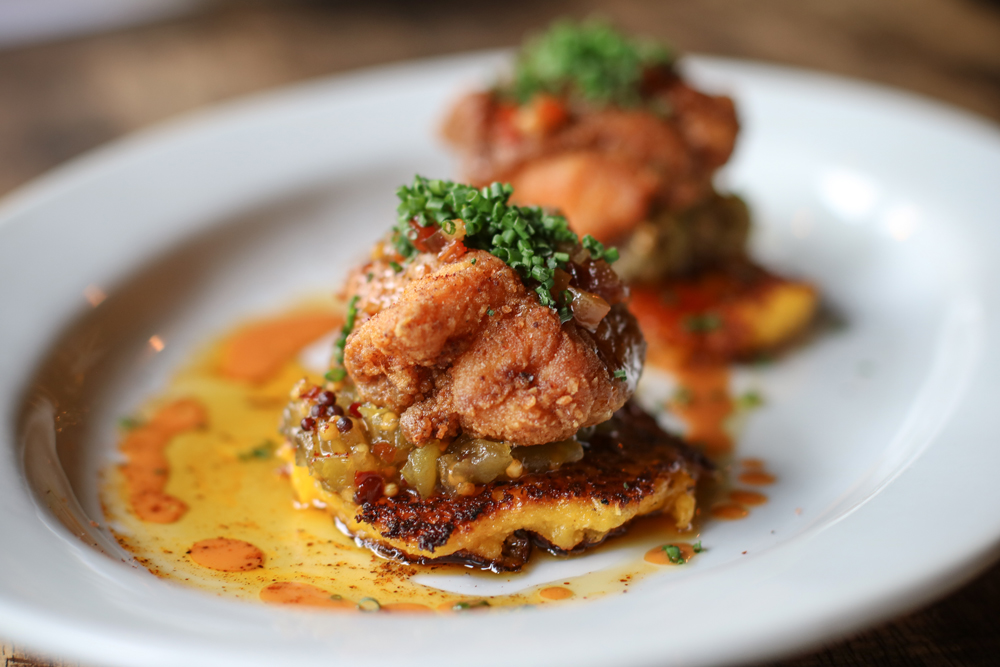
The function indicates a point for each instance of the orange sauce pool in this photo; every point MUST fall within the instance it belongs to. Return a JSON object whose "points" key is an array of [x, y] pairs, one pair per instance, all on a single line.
{"points": [[756, 478], [704, 404], [208, 443]]}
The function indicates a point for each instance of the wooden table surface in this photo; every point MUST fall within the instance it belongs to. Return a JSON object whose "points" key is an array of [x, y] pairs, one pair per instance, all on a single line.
{"points": [[60, 99]]}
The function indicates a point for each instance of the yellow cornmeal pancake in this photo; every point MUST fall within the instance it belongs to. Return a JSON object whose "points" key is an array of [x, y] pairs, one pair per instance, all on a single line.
{"points": [[732, 312], [630, 468]]}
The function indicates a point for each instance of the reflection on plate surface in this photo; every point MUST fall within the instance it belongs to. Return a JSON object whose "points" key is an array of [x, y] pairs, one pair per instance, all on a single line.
{"points": [[184, 232]]}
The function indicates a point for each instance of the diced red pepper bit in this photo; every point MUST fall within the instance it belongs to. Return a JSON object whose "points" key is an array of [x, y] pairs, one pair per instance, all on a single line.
{"points": [[422, 234], [452, 251], [353, 410], [368, 486], [311, 393]]}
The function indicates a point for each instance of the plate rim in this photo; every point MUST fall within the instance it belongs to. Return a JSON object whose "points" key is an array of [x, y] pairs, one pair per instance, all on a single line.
{"points": [[959, 567]]}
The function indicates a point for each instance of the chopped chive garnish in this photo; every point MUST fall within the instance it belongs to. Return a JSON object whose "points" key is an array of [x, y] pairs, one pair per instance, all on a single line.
{"points": [[702, 323], [465, 606], [589, 61], [369, 605], [129, 423], [750, 399], [261, 451], [338, 373], [682, 396], [620, 374], [530, 241], [698, 548], [674, 554]]}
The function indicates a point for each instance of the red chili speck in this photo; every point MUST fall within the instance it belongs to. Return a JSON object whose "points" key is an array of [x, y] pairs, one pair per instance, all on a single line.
{"points": [[353, 410], [368, 487], [308, 423]]}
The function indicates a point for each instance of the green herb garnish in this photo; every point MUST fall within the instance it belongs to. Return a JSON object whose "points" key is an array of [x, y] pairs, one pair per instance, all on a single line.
{"points": [[698, 548], [369, 605], [261, 451], [396, 267], [129, 423], [620, 374], [682, 396], [465, 606], [703, 323], [674, 554], [590, 61], [530, 241], [750, 399], [338, 373], [489, 312]]}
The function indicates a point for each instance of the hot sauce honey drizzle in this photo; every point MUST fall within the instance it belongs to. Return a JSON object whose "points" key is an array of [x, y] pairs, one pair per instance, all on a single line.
{"points": [[202, 498]]}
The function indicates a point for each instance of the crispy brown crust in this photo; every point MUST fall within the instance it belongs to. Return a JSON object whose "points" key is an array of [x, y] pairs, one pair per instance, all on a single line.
{"points": [[679, 151], [627, 463], [467, 347]]}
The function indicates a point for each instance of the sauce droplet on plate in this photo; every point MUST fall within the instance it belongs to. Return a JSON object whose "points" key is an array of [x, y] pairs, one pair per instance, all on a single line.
{"points": [[661, 555], [227, 555], [306, 595], [756, 478], [555, 593], [751, 498], [259, 351], [146, 469], [730, 512], [406, 607]]}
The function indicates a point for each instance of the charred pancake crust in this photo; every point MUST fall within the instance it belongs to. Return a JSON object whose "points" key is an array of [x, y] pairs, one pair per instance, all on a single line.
{"points": [[623, 464]]}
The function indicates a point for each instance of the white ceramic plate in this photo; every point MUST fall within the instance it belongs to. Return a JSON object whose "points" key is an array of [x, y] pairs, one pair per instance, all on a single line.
{"points": [[883, 436]]}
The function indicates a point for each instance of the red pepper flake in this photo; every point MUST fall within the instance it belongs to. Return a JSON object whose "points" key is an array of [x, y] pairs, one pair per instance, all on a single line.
{"points": [[427, 239], [311, 393], [354, 411]]}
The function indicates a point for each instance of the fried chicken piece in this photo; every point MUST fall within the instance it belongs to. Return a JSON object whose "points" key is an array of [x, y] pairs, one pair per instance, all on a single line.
{"points": [[563, 157], [465, 346]]}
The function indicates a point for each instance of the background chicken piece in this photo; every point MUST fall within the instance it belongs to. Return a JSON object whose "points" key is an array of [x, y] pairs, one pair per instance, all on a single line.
{"points": [[466, 346], [609, 133]]}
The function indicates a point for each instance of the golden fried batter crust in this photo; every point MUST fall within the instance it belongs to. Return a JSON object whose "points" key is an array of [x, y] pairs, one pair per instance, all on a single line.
{"points": [[629, 159], [464, 345]]}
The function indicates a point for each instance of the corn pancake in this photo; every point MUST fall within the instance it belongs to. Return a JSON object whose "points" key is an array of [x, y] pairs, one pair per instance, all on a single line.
{"points": [[735, 312], [631, 468]]}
